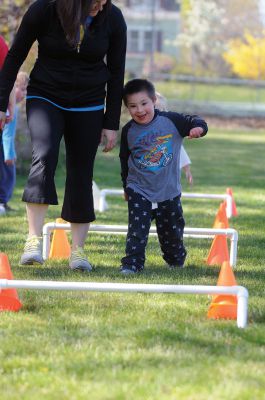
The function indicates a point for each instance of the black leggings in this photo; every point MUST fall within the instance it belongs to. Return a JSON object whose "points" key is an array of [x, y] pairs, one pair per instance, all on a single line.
{"points": [[82, 132], [169, 224]]}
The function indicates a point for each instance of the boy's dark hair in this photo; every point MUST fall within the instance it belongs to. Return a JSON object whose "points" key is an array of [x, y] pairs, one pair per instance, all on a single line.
{"points": [[136, 86]]}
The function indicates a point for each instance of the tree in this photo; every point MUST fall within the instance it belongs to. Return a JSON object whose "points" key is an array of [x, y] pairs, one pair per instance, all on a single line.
{"points": [[200, 27], [10, 16], [208, 25], [247, 56]]}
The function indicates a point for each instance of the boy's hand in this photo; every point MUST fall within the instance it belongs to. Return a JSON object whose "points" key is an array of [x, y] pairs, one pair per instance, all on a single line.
{"points": [[195, 132], [108, 139], [188, 174]]}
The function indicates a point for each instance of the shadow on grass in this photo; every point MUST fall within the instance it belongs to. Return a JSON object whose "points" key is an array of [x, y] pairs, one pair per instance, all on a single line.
{"points": [[100, 273]]}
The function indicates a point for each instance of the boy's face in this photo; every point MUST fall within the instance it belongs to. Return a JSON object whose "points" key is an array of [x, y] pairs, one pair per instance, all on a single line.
{"points": [[141, 107]]}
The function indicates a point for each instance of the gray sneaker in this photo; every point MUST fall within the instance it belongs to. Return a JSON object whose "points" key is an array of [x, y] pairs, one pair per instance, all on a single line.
{"points": [[78, 261], [32, 251]]}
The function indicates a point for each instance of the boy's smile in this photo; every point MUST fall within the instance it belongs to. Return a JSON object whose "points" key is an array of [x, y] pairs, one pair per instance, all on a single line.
{"points": [[141, 107]]}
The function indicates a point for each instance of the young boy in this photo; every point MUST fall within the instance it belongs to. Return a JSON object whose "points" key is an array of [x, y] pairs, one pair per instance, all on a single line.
{"points": [[149, 156]]}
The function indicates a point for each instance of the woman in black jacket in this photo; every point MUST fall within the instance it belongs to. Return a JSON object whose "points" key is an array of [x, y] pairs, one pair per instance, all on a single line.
{"points": [[75, 91]]}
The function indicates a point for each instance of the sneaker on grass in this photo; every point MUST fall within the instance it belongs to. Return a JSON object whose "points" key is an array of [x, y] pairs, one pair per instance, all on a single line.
{"points": [[32, 251], [175, 266], [130, 269], [78, 260]]}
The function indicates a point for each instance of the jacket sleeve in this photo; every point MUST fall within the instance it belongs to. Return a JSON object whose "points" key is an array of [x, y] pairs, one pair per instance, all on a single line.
{"points": [[26, 35], [3, 51], [184, 123], [124, 155], [116, 66]]}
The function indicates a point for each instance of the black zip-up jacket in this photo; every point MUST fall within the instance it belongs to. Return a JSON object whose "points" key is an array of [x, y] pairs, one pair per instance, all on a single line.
{"points": [[60, 73]]}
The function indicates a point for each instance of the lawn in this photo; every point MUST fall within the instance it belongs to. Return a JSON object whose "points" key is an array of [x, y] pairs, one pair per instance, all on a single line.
{"points": [[210, 92], [79, 345]]}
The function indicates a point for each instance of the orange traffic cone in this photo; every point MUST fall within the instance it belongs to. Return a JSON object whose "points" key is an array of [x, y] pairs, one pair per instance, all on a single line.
{"points": [[60, 247], [234, 210], [9, 300], [224, 306], [219, 251], [221, 217]]}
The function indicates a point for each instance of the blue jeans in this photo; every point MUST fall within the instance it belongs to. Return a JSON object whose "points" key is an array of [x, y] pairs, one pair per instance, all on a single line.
{"points": [[7, 178]]}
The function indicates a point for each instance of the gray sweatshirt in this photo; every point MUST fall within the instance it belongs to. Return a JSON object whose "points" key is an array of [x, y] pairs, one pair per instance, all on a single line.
{"points": [[149, 154]]}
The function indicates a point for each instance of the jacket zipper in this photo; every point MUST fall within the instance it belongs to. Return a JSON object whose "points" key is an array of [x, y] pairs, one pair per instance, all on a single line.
{"points": [[81, 36]]}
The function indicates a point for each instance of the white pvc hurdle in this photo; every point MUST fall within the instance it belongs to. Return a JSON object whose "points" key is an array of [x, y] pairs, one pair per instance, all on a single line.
{"points": [[240, 291], [202, 233], [119, 192]]}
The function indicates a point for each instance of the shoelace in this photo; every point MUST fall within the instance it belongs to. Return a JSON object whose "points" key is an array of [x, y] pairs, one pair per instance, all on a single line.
{"points": [[32, 243], [78, 254]]}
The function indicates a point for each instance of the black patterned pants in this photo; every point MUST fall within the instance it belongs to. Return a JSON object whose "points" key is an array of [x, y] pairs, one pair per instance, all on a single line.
{"points": [[169, 223]]}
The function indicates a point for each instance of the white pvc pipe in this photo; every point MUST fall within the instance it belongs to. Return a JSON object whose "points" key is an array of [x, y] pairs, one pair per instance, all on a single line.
{"points": [[104, 193], [201, 233], [119, 192], [239, 291]]}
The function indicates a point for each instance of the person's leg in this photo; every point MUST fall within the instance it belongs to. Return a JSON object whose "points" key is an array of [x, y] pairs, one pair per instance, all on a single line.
{"points": [[170, 227], [79, 234], [82, 137], [46, 126], [36, 215], [139, 221], [78, 260], [2, 180], [33, 247], [11, 181], [4, 177]]}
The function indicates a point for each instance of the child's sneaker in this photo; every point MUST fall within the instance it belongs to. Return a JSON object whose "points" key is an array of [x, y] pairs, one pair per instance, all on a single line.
{"points": [[32, 251], [78, 260], [130, 269]]}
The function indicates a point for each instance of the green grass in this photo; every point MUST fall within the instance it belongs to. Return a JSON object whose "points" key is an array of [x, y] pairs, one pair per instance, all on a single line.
{"points": [[79, 345], [206, 92]]}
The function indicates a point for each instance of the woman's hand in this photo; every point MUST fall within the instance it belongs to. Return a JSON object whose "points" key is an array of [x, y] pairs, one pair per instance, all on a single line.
{"points": [[108, 139], [2, 120], [11, 105], [10, 162]]}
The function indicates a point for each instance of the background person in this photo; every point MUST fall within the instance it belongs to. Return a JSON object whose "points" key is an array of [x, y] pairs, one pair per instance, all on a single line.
{"points": [[7, 147], [12, 100], [11, 105], [79, 72], [184, 161], [149, 155]]}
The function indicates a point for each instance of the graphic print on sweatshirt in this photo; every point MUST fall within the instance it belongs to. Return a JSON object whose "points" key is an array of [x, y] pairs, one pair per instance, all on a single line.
{"points": [[153, 151]]}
